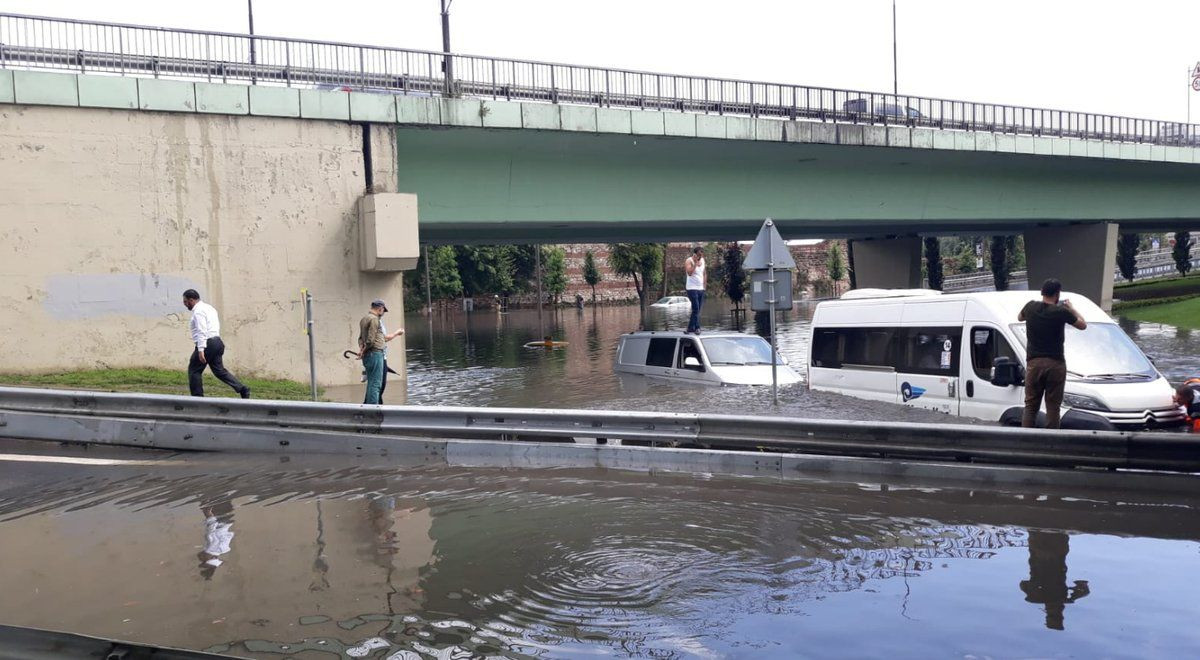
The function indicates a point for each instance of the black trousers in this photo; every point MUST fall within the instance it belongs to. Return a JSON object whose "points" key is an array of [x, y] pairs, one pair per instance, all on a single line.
{"points": [[214, 351]]}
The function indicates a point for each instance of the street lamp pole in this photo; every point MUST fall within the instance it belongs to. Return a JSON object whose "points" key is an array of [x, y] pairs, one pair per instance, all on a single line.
{"points": [[447, 66], [253, 54], [895, 77]]}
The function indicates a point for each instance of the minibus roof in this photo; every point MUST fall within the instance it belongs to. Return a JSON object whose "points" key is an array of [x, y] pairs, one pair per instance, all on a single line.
{"points": [[1000, 305]]}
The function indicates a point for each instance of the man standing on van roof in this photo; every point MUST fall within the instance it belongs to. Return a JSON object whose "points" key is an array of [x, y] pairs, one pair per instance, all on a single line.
{"points": [[695, 286], [1045, 366]]}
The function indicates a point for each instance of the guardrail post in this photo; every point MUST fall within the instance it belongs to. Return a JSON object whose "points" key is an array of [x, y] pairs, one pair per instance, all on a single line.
{"points": [[553, 86]]}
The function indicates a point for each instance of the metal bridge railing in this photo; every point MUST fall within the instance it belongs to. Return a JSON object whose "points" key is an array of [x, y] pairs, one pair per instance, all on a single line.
{"points": [[58, 44]]}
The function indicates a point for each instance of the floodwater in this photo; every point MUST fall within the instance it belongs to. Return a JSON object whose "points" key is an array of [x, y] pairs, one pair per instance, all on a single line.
{"points": [[479, 359], [332, 557]]}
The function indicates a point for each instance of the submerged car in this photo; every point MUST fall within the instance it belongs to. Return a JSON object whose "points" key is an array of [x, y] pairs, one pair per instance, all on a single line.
{"points": [[673, 302], [718, 358]]}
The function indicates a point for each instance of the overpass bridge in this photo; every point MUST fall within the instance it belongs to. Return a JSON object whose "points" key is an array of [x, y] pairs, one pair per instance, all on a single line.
{"points": [[280, 161]]}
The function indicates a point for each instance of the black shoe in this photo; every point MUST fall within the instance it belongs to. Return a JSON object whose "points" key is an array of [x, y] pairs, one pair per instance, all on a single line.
{"points": [[245, 393]]}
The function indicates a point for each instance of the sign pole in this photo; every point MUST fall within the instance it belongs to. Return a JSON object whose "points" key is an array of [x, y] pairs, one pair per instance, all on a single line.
{"points": [[308, 330], [774, 353]]}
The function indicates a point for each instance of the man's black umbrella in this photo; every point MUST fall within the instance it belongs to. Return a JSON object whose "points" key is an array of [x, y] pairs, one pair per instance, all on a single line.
{"points": [[351, 355]]}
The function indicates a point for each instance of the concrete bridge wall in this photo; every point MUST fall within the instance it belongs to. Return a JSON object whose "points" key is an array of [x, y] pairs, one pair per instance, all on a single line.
{"points": [[107, 216]]}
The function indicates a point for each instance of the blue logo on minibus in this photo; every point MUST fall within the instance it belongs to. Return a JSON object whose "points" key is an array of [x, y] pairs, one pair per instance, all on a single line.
{"points": [[910, 392]]}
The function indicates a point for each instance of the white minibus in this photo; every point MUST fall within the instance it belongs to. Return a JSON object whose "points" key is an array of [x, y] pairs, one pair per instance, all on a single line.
{"points": [[964, 354]]}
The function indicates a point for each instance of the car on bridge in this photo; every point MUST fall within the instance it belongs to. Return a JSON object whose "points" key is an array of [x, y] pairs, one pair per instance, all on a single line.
{"points": [[887, 110]]}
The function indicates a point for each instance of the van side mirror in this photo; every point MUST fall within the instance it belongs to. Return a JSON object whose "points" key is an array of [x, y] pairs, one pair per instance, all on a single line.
{"points": [[1006, 373], [691, 362]]}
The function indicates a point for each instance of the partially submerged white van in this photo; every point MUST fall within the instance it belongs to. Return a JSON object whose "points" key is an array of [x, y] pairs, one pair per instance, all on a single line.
{"points": [[964, 354], [716, 358]]}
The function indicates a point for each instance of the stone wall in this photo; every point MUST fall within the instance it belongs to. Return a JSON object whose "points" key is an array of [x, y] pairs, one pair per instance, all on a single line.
{"points": [[107, 216]]}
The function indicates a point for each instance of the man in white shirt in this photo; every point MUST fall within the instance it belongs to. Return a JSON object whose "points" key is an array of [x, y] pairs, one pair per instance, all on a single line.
{"points": [[696, 282], [209, 349]]}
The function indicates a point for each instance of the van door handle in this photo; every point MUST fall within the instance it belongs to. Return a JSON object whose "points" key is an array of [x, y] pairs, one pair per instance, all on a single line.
{"points": [[970, 388]]}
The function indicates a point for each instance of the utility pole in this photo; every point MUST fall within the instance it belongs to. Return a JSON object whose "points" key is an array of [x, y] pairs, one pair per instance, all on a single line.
{"points": [[447, 65], [895, 77], [253, 55]]}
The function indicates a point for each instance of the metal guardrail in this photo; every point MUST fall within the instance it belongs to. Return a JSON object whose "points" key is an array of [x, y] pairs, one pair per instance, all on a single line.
{"points": [[173, 422], [87, 46]]}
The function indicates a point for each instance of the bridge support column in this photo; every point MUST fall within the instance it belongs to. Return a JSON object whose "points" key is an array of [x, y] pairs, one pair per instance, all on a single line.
{"points": [[1079, 256], [887, 263]]}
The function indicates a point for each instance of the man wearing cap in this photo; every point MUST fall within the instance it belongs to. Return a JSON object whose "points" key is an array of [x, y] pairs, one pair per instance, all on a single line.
{"points": [[371, 345]]}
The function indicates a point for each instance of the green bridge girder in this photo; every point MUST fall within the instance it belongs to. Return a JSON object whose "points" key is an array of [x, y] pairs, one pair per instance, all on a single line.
{"points": [[480, 185]]}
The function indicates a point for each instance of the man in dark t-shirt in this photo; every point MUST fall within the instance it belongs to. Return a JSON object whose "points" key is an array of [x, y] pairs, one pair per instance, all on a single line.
{"points": [[1045, 367]]}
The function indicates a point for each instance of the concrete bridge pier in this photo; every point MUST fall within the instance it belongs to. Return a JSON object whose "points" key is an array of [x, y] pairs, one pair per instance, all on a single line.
{"points": [[887, 263], [1079, 256]]}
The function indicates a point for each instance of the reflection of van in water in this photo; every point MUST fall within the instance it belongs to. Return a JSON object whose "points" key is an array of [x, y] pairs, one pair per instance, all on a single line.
{"points": [[964, 354], [718, 358]]}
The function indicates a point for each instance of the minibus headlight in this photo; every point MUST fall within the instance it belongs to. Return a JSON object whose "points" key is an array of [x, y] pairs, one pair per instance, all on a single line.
{"points": [[1084, 402]]}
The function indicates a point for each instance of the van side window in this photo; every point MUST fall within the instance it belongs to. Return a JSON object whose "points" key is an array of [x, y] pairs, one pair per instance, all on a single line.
{"points": [[987, 344], [834, 348], [827, 348], [689, 349], [661, 353], [930, 351]]}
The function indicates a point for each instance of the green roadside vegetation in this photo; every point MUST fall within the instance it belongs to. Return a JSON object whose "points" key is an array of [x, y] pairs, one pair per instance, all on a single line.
{"points": [[1180, 312], [1170, 287], [157, 381]]}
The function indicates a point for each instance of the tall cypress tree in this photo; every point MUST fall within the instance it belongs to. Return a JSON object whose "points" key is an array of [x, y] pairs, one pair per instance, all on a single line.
{"points": [[1127, 249], [933, 262], [999, 259], [1182, 252]]}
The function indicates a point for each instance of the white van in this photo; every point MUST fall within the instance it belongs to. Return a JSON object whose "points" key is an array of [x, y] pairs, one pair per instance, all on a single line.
{"points": [[964, 354], [711, 358]]}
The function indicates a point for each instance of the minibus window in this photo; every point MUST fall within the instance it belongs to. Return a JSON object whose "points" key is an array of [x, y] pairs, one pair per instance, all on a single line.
{"points": [[987, 344], [661, 353], [826, 349], [834, 348], [932, 351]]}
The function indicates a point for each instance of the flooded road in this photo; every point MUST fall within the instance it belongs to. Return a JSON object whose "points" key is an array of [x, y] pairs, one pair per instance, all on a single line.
{"points": [[480, 359], [314, 557]]}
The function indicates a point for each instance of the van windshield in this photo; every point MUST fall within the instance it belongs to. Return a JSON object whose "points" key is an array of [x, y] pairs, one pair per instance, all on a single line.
{"points": [[1103, 350], [737, 351]]}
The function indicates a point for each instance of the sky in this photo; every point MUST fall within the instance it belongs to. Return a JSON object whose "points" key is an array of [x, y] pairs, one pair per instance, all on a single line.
{"points": [[1104, 56]]}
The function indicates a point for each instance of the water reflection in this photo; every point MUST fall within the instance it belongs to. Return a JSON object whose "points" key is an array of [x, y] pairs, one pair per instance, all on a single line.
{"points": [[360, 561], [1047, 583]]}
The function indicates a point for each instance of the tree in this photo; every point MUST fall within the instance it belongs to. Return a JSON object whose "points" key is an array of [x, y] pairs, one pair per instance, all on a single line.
{"points": [[484, 269], [641, 261], [591, 274], [444, 281], [850, 260], [835, 265], [1000, 261], [1182, 252], [733, 274], [933, 262], [554, 271], [1127, 249]]}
